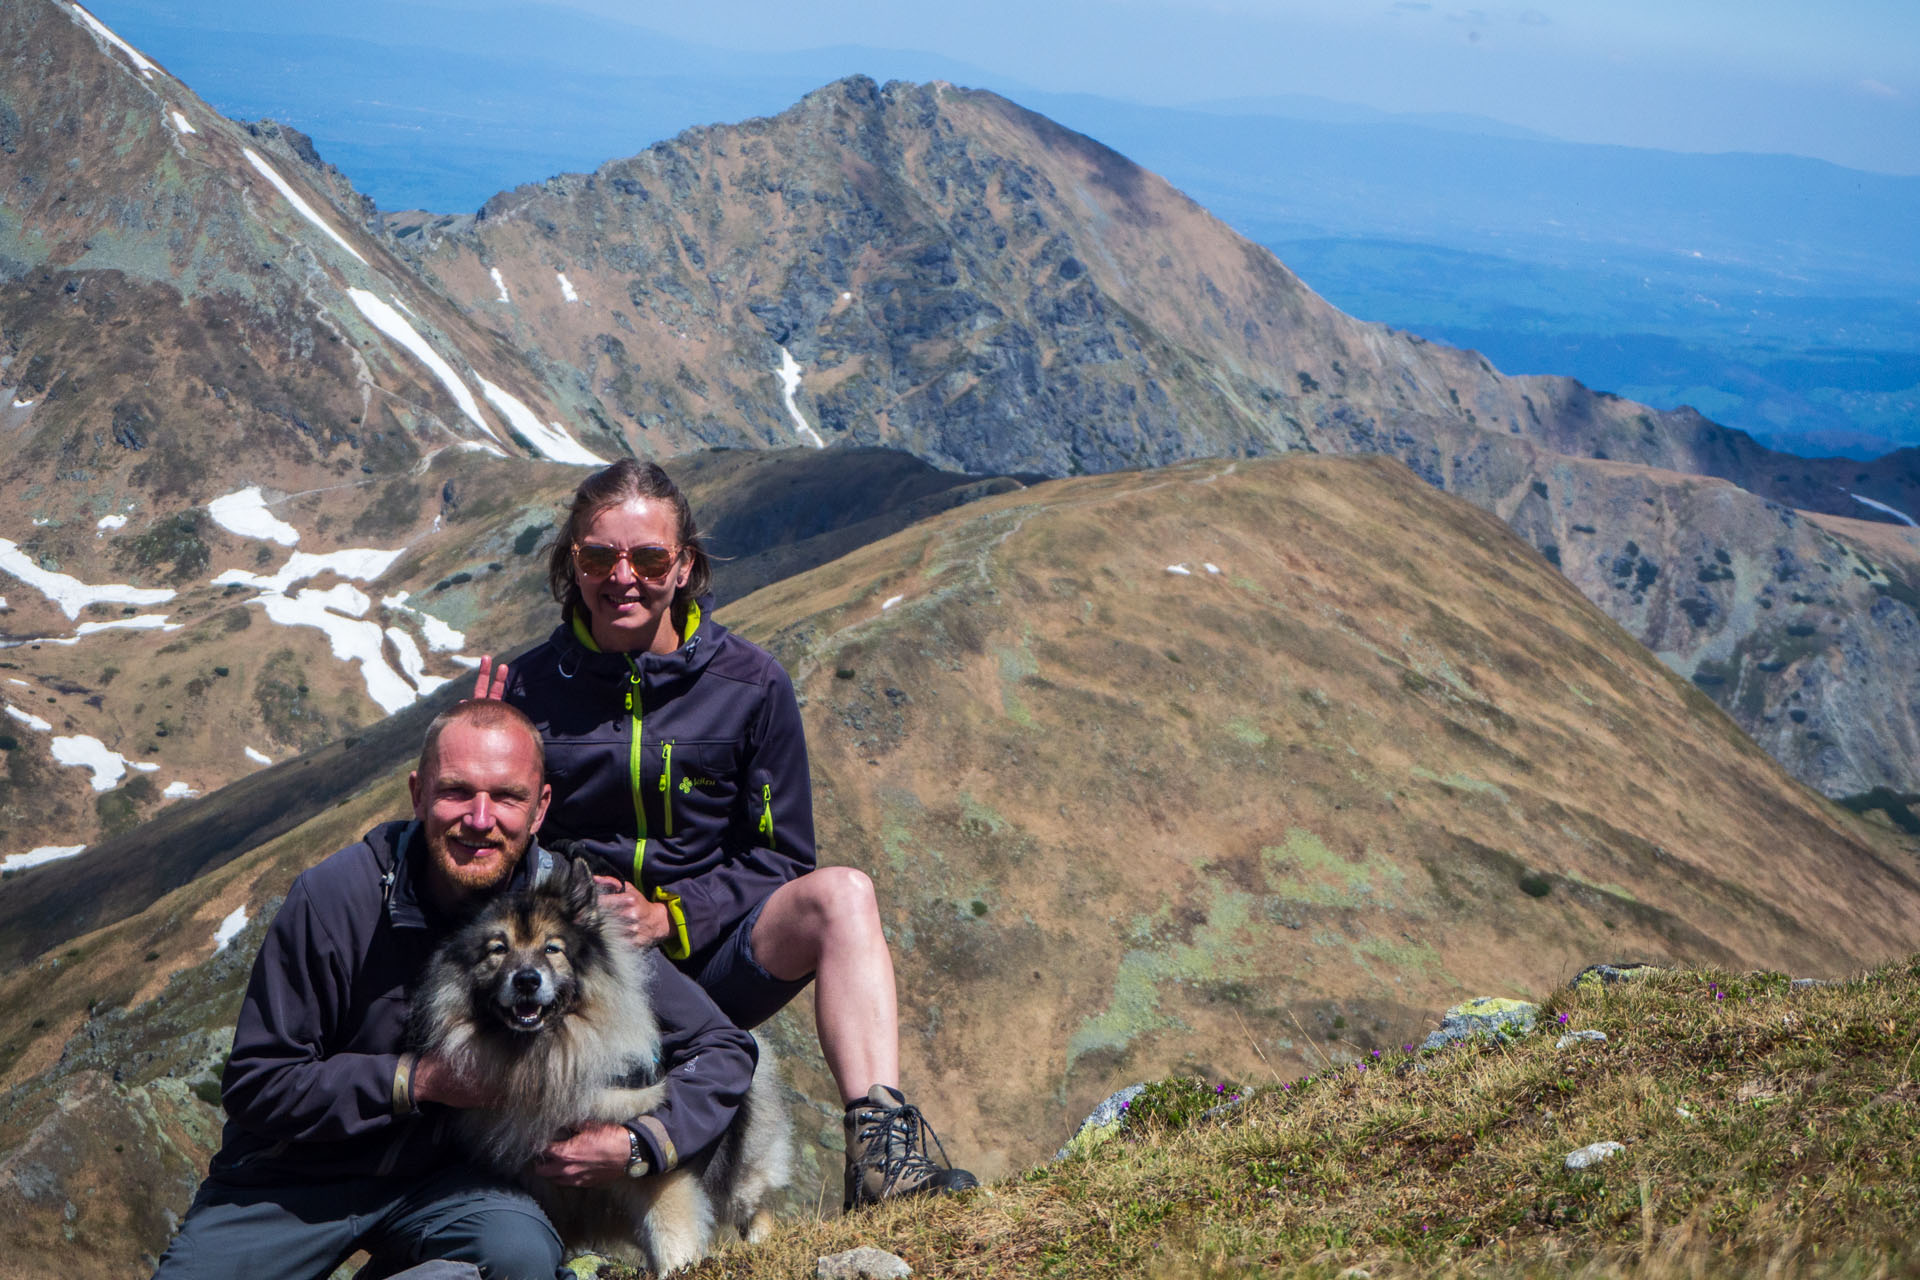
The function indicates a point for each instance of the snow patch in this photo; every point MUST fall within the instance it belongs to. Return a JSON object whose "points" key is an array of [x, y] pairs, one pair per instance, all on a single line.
{"points": [[179, 791], [18, 403], [230, 928], [566, 287], [1210, 567], [245, 513], [300, 206], [139, 59], [337, 614], [71, 594], [412, 665], [889, 602], [145, 622], [440, 637], [28, 719], [1180, 569], [257, 758], [1901, 516], [109, 767], [362, 564], [394, 325], [22, 683], [35, 857], [846, 297], [111, 522], [550, 438], [500, 283], [789, 375], [181, 123]]}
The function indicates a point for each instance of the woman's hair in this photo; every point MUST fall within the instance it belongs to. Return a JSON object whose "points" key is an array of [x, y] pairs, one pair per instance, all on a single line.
{"points": [[624, 481]]}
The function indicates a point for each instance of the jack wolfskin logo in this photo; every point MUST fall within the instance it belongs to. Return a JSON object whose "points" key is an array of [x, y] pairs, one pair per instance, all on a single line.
{"points": [[689, 783]]}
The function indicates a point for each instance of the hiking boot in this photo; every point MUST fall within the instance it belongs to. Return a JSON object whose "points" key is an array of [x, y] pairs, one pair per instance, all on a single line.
{"points": [[888, 1155]]}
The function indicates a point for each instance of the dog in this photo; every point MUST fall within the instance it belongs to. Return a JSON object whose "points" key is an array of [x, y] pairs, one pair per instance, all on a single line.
{"points": [[543, 1004]]}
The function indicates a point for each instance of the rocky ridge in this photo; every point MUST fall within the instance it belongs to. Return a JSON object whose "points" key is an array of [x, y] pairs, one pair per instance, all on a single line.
{"points": [[944, 272]]}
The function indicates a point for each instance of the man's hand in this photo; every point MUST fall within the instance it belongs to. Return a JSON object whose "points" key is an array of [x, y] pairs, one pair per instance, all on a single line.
{"points": [[436, 1081], [490, 682], [647, 923], [592, 1157]]}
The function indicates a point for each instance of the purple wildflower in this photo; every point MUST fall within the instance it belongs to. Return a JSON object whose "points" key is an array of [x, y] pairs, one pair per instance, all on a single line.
{"points": [[1563, 1019]]}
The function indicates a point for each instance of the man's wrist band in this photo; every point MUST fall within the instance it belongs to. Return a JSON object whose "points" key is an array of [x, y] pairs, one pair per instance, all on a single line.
{"points": [[636, 1154]]}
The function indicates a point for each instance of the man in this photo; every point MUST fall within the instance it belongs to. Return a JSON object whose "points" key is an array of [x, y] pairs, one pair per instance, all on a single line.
{"points": [[337, 1138]]}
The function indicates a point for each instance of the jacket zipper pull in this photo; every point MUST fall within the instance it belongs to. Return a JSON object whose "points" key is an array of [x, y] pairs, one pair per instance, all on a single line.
{"points": [[666, 785], [766, 812]]}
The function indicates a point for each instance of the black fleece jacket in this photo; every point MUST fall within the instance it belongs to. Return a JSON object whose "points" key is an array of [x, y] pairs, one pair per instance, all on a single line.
{"points": [[684, 772], [318, 1088]]}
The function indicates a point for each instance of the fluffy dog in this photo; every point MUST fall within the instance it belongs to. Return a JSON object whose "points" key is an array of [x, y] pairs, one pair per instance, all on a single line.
{"points": [[541, 1003]]}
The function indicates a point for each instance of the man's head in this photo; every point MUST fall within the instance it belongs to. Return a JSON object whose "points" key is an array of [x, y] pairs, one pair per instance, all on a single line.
{"points": [[480, 793]]}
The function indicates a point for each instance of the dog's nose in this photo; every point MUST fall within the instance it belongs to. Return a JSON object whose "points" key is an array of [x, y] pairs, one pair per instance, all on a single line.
{"points": [[527, 981]]}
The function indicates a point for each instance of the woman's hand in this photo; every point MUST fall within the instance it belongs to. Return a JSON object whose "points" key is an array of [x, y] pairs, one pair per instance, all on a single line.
{"points": [[593, 1157], [647, 923], [490, 682]]}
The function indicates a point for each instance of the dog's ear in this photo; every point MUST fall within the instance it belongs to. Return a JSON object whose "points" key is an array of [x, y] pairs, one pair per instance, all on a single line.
{"points": [[579, 894]]}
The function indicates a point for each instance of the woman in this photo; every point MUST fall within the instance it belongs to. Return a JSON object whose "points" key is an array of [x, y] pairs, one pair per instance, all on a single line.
{"points": [[678, 763]]}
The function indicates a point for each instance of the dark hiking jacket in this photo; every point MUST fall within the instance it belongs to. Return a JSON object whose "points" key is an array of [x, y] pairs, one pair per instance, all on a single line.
{"points": [[684, 773], [318, 1085]]}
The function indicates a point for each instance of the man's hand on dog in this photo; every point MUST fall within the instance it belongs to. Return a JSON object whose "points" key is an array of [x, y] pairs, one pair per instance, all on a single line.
{"points": [[435, 1081], [592, 1157], [647, 923]]}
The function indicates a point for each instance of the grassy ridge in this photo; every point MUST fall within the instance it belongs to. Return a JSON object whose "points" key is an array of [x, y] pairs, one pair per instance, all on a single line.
{"points": [[1766, 1129]]}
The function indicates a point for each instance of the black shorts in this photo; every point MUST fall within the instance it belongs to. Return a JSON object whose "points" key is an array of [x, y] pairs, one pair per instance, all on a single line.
{"points": [[728, 972]]}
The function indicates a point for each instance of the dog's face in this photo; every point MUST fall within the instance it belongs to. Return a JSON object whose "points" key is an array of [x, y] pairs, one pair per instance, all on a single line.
{"points": [[524, 954]]}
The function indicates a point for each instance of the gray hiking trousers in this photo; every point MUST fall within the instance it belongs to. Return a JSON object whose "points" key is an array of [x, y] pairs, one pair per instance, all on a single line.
{"points": [[302, 1232]]}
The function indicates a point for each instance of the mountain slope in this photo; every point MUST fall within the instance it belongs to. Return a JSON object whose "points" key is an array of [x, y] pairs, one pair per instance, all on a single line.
{"points": [[1126, 821], [947, 273]]}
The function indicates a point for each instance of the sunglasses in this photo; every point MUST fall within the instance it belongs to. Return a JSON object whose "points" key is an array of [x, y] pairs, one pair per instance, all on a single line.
{"points": [[649, 563]]}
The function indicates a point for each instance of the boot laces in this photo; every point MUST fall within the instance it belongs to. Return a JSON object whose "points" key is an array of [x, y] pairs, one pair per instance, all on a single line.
{"points": [[896, 1141]]}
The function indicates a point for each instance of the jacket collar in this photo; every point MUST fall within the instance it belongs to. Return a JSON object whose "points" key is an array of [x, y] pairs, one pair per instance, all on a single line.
{"points": [[407, 908], [699, 636]]}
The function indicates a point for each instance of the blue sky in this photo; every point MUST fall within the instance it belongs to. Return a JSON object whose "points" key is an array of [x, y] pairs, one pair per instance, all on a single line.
{"points": [[1839, 82]]}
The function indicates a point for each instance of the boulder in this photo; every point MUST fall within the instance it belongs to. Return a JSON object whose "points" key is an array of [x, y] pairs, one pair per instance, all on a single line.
{"points": [[1484, 1016]]}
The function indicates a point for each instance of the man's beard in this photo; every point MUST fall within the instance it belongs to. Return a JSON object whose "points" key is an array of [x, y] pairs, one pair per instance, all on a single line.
{"points": [[478, 876]]}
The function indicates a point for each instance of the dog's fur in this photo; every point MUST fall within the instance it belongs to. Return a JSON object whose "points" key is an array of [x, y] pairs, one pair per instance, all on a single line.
{"points": [[542, 1004]]}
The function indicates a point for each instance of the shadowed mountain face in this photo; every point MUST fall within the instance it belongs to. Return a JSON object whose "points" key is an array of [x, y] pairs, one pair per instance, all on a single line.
{"points": [[1366, 755]]}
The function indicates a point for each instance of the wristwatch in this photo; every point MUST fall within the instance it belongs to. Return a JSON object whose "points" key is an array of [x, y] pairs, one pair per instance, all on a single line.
{"points": [[637, 1166]]}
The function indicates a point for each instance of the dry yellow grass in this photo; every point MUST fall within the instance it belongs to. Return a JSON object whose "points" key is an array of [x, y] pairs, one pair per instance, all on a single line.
{"points": [[1767, 1130]]}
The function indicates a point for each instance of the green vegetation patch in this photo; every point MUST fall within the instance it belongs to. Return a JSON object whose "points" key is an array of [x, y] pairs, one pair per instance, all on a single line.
{"points": [[1304, 870], [172, 549], [1216, 953]]}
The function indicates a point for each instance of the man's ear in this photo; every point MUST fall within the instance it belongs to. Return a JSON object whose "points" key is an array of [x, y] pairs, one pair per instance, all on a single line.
{"points": [[540, 809], [581, 893], [413, 789]]}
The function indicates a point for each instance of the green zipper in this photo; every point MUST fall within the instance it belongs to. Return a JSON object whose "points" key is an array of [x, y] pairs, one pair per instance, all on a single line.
{"points": [[635, 764], [766, 812], [666, 785]]}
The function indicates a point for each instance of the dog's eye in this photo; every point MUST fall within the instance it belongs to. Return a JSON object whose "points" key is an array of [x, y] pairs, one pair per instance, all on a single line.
{"points": [[555, 947], [496, 946]]}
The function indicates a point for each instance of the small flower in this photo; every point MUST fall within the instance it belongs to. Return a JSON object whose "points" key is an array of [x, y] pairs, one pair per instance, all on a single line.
{"points": [[1376, 1053], [1563, 1019], [1719, 995], [1406, 1048]]}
